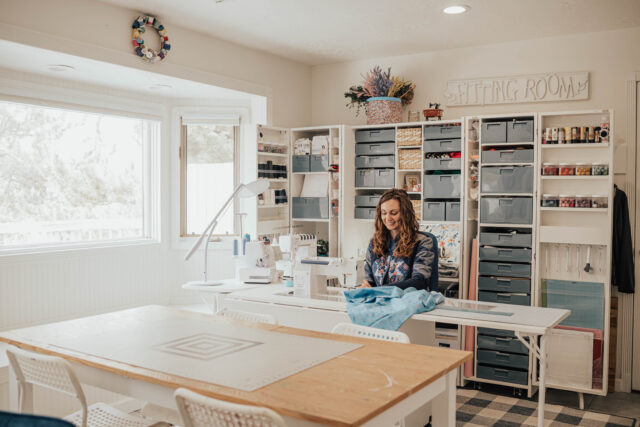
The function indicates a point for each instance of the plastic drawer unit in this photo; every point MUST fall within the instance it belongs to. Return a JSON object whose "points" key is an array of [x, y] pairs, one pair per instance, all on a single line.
{"points": [[511, 239], [376, 135], [500, 358], [300, 163], [520, 130], [365, 177], [504, 269], [375, 161], [367, 201], [441, 186], [442, 164], [505, 254], [493, 132], [375, 148], [505, 297], [433, 211], [452, 211], [506, 210], [366, 213], [495, 373], [584, 299], [319, 163], [384, 177], [507, 179], [497, 342], [508, 156], [442, 132], [310, 207], [504, 284], [442, 145]]}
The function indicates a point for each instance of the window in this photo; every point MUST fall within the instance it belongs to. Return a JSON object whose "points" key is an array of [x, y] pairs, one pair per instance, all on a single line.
{"points": [[71, 176], [208, 175]]}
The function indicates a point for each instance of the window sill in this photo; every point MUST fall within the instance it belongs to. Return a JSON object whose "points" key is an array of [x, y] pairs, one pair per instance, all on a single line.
{"points": [[74, 247]]}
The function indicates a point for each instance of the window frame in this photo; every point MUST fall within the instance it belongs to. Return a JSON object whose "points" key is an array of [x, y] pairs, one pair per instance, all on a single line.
{"points": [[39, 95]]}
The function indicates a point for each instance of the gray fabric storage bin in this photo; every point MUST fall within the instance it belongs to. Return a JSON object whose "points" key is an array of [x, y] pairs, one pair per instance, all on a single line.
{"points": [[508, 156], [492, 357], [375, 148], [319, 163], [310, 207], [442, 164], [506, 210], [520, 131], [504, 297], [452, 211], [504, 284], [498, 343], [376, 135], [442, 145], [507, 179], [493, 132], [367, 201], [366, 213], [494, 373], [442, 132], [375, 161], [505, 254], [300, 163], [504, 269], [433, 211], [365, 178], [384, 177], [522, 240], [441, 186]]}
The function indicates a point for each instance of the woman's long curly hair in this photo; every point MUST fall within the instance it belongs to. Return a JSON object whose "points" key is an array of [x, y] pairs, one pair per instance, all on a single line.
{"points": [[408, 226]]}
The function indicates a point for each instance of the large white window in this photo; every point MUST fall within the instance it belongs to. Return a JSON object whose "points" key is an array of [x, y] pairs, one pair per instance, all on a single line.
{"points": [[70, 176], [208, 157]]}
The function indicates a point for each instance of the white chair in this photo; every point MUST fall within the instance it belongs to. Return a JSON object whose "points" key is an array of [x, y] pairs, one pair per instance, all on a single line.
{"points": [[368, 332], [56, 374], [248, 316], [197, 410]]}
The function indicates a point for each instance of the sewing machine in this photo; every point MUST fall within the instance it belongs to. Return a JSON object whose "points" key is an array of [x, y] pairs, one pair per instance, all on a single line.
{"points": [[293, 247], [311, 274], [256, 264]]}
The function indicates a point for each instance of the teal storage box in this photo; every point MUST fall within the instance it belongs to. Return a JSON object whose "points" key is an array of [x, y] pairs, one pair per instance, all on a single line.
{"points": [[502, 359], [513, 376], [497, 343], [584, 299], [511, 239], [505, 254], [490, 268], [300, 163], [504, 284], [504, 297]]}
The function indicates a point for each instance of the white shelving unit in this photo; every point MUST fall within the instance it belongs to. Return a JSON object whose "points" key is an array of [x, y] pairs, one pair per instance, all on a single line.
{"points": [[566, 236]]}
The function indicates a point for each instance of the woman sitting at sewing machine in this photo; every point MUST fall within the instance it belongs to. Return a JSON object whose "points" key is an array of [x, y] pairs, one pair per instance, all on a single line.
{"points": [[399, 254]]}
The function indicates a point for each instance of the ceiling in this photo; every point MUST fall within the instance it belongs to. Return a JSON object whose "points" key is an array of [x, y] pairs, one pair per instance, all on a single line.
{"points": [[319, 32]]}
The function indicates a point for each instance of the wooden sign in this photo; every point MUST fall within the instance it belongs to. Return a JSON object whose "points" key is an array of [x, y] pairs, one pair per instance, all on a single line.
{"points": [[518, 89]]}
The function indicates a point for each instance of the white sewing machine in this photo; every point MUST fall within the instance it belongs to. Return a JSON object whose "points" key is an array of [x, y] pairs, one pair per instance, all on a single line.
{"points": [[256, 265], [310, 275], [295, 247]]}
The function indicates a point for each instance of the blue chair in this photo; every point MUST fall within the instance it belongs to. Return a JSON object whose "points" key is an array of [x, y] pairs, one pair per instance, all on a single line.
{"points": [[8, 419]]}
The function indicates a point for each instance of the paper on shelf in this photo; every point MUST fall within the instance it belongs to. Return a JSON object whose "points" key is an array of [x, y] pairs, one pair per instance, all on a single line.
{"points": [[320, 144], [315, 186]]}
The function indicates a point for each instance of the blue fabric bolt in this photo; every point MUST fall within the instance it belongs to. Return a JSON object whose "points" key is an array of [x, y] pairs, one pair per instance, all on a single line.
{"points": [[388, 307]]}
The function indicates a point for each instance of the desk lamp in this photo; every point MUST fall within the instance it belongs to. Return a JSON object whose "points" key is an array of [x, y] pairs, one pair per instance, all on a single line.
{"points": [[243, 190]]}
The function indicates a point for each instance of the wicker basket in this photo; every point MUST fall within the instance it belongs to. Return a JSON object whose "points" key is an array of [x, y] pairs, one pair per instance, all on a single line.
{"points": [[409, 137], [417, 208], [410, 158], [382, 110]]}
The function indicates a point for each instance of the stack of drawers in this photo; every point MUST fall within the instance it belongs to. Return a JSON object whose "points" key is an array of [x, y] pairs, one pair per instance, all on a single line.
{"points": [[375, 158], [442, 184]]}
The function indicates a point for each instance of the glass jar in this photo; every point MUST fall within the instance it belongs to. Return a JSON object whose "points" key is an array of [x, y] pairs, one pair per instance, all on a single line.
{"points": [[583, 201], [599, 169], [549, 169], [583, 169], [566, 169], [549, 201], [599, 202], [566, 201]]}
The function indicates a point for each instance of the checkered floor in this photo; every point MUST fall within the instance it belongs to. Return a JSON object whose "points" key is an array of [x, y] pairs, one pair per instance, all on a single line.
{"points": [[476, 408]]}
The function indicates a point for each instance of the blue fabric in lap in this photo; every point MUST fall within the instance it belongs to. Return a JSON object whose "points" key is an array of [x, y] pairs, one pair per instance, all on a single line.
{"points": [[388, 307]]}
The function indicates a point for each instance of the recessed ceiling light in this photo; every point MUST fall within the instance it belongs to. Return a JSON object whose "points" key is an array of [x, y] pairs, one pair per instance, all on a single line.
{"points": [[60, 68], [159, 86], [455, 10]]}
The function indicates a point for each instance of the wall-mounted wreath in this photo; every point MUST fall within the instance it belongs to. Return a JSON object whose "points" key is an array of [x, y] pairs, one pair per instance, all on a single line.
{"points": [[146, 53]]}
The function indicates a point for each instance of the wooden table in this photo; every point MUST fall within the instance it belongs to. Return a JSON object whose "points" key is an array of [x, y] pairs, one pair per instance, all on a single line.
{"points": [[374, 385]]}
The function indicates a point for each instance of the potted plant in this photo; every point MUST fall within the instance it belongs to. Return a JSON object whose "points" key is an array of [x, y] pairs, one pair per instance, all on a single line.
{"points": [[382, 95]]}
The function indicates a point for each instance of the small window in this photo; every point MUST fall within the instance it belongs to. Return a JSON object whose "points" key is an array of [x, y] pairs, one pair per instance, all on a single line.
{"points": [[72, 176], [208, 159]]}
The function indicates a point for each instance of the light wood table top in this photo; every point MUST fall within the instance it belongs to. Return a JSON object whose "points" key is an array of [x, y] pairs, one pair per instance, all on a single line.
{"points": [[346, 391]]}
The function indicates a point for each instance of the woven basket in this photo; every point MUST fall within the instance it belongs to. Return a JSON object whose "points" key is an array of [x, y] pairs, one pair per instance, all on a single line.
{"points": [[410, 158], [383, 109], [409, 137], [417, 208]]}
